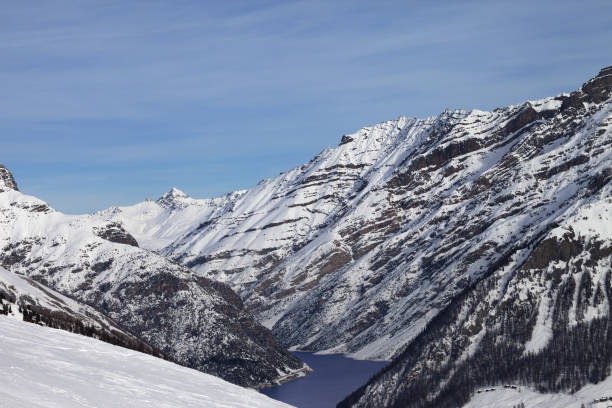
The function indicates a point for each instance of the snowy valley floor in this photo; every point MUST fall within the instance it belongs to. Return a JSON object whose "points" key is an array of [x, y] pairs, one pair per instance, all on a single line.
{"points": [[43, 367]]}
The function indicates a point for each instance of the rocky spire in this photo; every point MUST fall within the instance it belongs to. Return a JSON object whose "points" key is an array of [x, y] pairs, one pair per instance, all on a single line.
{"points": [[6, 179]]}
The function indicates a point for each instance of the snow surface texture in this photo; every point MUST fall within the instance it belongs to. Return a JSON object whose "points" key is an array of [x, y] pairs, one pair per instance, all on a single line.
{"points": [[506, 397], [357, 250], [193, 320], [47, 368]]}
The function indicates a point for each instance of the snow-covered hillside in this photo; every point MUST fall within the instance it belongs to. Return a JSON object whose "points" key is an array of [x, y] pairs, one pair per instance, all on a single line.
{"points": [[25, 299], [542, 319], [191, 319], [510, 397], [357, 250], [157, 224], [48, 368]]}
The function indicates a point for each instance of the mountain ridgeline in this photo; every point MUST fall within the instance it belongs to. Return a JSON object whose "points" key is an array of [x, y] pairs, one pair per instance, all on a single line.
{"points": [[542, 317], [470, 248], [357, 250], [415, 225]]}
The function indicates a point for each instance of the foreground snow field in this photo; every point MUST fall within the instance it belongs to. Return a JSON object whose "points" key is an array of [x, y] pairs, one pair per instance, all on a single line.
{"points": [[43, 367]]}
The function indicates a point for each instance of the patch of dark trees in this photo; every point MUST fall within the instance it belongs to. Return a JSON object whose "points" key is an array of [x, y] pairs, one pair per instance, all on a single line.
{"points": [[64, 321], [573, 357]]}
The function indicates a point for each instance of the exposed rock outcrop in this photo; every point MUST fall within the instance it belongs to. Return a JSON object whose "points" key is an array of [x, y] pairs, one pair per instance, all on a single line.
{"points": [[6, 179]]}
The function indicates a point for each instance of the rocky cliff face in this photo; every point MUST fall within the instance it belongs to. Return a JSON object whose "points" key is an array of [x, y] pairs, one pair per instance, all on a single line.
{"points": [[194, 321], [359, 249]]}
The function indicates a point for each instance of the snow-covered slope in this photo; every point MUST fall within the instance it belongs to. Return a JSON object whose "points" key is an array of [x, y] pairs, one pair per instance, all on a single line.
{"points": [[592, 396], [47, 368], [357, 250], [193, 320], [25, 299], [542, 319], [157, 224]]}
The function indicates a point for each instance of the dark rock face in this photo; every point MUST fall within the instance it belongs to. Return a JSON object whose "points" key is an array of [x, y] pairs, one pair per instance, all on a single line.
{"points": [[33, 207], [599, 88], [6, 179], [345, 139], [114, 232], [522, 119]]}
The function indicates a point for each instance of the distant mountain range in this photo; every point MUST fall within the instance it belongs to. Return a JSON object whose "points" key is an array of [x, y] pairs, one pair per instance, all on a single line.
{"points": [[470, 248]]}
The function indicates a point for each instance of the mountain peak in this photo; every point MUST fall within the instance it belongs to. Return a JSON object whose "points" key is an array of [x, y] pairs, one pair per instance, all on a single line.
{"points": [[175, 192], [6, 179], [172, 198]]}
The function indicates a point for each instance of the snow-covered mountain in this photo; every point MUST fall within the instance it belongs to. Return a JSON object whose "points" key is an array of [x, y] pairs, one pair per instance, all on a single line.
{"points": [[157, 224], [474, 248], [27, 300], [359, 249], [195, 321], [542, 314], [542, 319], [47, 368]]}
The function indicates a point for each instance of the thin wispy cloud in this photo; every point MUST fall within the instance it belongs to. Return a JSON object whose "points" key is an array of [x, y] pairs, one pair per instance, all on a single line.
{"points": [[143, 82]]}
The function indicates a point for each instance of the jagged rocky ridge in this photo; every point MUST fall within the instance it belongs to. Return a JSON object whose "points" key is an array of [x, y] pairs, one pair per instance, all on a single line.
{"points": [[32, 302], [359, 249], [193, 320]]}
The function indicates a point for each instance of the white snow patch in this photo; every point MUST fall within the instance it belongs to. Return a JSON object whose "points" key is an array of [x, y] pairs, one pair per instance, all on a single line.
{"points": [[507, 397]]}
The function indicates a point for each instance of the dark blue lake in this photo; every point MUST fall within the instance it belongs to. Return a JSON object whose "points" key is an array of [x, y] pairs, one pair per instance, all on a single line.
{"points": [[334, 378]]}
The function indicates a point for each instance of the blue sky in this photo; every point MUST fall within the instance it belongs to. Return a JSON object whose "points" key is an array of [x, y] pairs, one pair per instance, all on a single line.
{"points": [[107, 103]]}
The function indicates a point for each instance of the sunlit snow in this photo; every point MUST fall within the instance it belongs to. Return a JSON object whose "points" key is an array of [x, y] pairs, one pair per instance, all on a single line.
{"points": [[47, 368]]}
